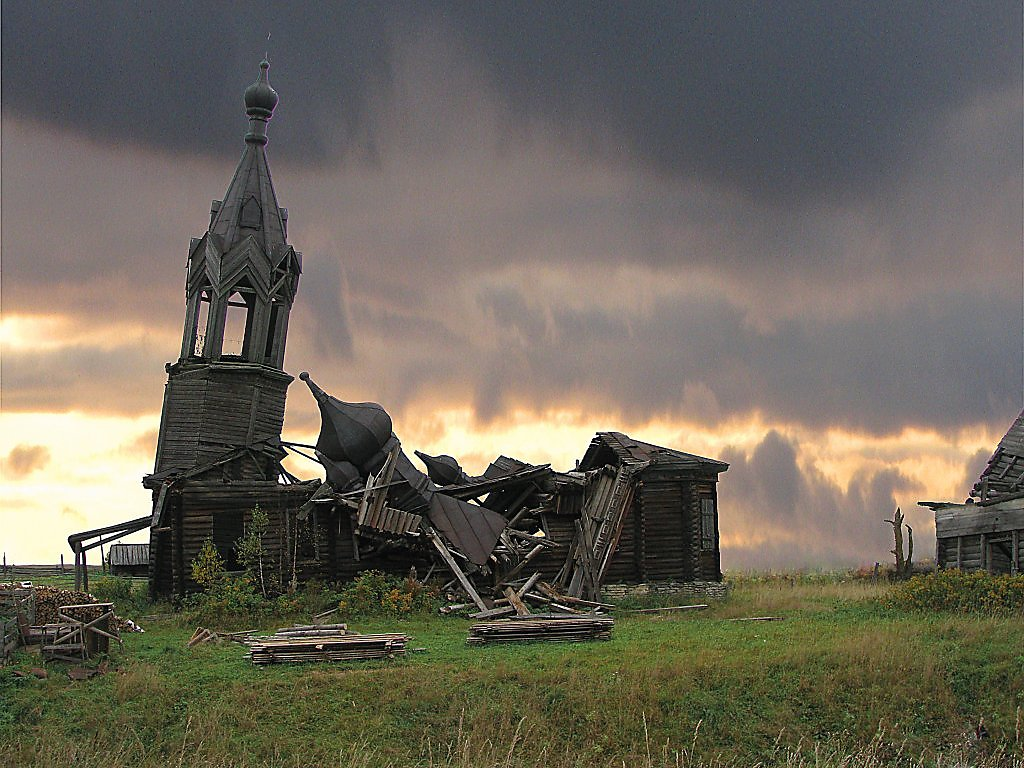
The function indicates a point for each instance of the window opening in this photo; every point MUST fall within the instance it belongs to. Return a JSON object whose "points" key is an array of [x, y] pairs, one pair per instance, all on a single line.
{"points": [[275, 313], [236, 326], [202, 322], [707, 523]]}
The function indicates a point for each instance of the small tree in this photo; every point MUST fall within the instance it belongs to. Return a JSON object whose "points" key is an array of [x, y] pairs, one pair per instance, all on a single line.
{"points": [[208, 566], [904, 565], [250, 547]]}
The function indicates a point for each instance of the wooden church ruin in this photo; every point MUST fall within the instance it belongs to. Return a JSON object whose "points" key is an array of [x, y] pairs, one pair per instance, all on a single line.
{"points": [[630, 513]]}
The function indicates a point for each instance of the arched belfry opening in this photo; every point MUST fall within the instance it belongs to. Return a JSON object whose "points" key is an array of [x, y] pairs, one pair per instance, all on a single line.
{"points": [[237, 325], [202, 322]]}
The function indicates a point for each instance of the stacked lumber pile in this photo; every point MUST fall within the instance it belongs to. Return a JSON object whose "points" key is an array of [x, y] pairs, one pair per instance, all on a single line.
{"points": [[323, 642], [536, 628]]}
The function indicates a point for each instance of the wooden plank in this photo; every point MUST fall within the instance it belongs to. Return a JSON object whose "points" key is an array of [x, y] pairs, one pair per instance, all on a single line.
{"points": [[467, 585], [513, 598]]}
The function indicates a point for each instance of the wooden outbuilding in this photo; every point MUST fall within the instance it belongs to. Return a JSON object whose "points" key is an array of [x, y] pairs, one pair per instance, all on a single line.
{"points": [[128, 559], [986, 532], [671, 530]]}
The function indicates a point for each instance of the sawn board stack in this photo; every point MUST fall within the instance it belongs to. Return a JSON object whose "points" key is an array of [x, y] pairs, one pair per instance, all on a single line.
{"points": [[528, 629], [277, 650]]}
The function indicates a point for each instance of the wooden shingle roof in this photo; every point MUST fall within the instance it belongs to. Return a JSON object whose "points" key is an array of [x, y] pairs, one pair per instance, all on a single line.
{"points": [[627, 449], [1004, 474]]}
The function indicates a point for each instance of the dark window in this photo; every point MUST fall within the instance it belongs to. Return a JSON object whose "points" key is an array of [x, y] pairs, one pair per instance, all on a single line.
{"points": [[275, 316], [227, 529], [707, 523]]}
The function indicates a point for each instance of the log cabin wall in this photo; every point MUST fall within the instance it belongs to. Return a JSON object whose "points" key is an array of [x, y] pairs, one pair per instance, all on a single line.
{"points": [[986, 536], [321, 545], [220, 511]]}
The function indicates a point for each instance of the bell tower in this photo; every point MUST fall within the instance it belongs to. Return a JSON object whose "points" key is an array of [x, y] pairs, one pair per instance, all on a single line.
{"points": [[227, 389]]}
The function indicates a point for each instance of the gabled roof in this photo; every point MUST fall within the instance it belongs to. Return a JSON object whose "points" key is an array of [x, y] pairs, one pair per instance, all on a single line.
{"points": [[624, 448], [1004, 474]]}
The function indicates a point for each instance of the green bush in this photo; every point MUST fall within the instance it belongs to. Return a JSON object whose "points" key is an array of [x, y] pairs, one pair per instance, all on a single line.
{"points": [[126, 594], [374, 593], [229, 597], [956, 590], [314, 597]]}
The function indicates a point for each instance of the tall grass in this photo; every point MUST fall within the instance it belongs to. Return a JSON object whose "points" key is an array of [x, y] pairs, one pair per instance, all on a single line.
{"points": [[674, 689]]}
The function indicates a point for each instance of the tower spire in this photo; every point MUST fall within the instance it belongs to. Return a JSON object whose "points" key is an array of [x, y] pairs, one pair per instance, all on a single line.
{"points": [[242, 273]]}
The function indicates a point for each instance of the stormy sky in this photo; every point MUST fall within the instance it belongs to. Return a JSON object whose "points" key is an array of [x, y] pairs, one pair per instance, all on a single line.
{"points": [[787, 235]]}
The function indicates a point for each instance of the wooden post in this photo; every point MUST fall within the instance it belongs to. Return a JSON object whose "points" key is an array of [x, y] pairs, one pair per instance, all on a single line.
{"points": [[103, 560], [450, 561], [62, 562], [984, 553], [1015, 562], [959, 552], [78, 566], [85, 571]]}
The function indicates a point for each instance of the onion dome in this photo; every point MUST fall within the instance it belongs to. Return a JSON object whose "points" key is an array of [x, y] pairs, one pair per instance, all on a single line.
{"points": [[260, 97], [354, 432], [443, 469]]}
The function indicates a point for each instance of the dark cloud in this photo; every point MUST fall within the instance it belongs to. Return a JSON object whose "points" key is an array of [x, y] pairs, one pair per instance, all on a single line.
{"points": [[788, 515], [930, 361], [779, 101], [973, 468], [25, 459]]}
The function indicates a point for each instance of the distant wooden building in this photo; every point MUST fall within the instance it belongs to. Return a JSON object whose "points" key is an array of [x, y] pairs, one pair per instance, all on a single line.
{"points": [[128, 559], [987, 531]]}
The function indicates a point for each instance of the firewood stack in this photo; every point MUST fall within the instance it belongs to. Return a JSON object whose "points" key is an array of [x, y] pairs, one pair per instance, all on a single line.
{"points": [[542, 628]]}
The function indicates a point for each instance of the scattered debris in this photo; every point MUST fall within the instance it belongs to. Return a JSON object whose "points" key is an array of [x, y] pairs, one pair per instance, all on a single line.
{"points": [[548, 628], [200, 636], [668, 609], [82, 673]]}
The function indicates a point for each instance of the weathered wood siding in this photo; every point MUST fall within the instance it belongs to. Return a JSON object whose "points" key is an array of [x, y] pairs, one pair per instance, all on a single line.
{"points": [[211, 407]]}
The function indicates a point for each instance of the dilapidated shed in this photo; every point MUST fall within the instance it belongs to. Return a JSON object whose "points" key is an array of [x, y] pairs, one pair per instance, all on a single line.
{"points": [[670, 533], [986, 532]]}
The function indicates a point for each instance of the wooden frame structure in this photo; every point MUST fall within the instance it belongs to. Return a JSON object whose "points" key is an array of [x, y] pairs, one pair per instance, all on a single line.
{"points": [[986, 532]]}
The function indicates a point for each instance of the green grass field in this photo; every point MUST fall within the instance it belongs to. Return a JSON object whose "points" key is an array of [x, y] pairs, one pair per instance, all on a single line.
{"points": [[841, 681]]}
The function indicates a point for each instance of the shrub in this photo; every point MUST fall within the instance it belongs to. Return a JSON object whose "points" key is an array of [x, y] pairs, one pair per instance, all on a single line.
{"points": [[208, 566], [957, 590], [374, 593], [250, 549], [123, 592], [227, 597], [314, 597]]}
